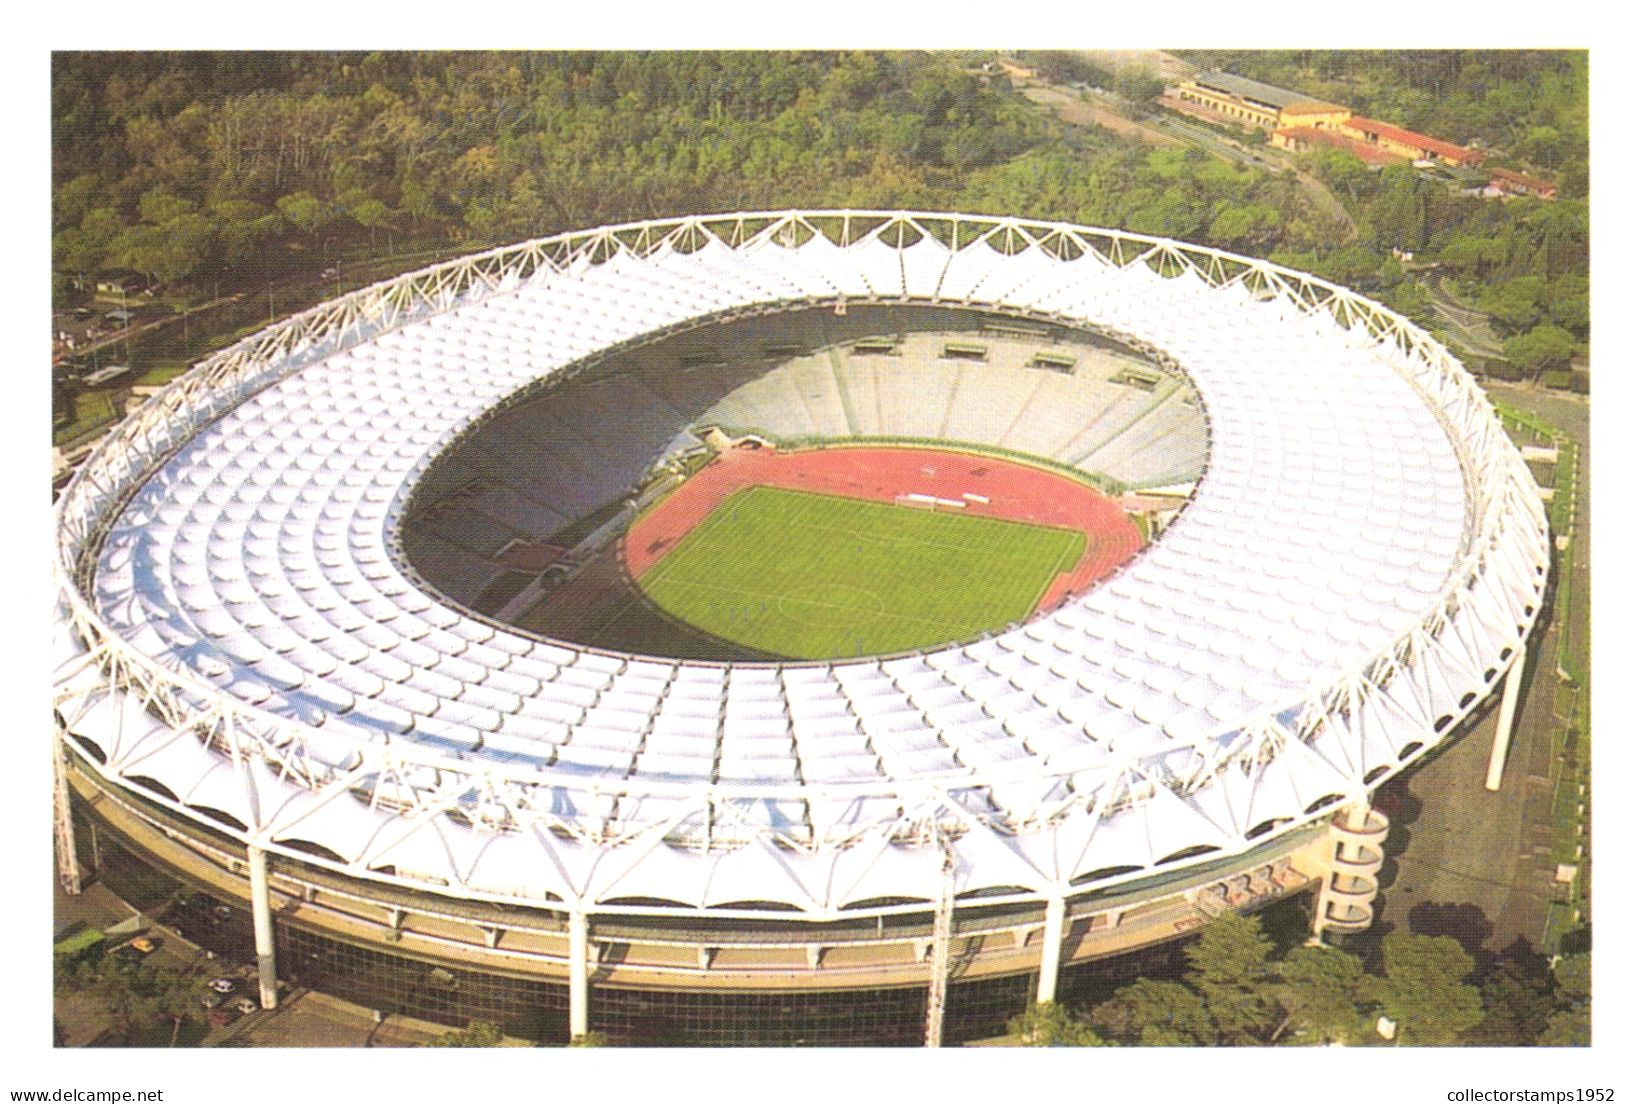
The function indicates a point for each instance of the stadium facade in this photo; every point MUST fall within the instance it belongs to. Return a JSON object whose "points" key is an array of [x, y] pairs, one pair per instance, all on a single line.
{"points": [[412, 802]]}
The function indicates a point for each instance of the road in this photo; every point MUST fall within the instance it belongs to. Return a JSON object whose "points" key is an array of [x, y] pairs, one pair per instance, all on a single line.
{"points": [[1317, 195], [1080, 108], [1469, 327], [1464, 861], [354, 273], [1073, 107]]}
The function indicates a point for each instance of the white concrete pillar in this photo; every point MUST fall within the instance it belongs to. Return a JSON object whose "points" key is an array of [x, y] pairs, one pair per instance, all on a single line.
{"points": [[578, 973], [259, 890], [1049, 966], [67, 851], [1503, 723]]}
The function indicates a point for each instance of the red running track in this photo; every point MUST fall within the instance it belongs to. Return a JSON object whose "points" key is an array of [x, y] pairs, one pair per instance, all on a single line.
{"points": [[1014, 492]]}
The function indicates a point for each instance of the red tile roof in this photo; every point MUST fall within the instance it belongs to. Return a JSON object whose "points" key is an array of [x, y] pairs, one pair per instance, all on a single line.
{"points": [[1365, 151], [1423, 142], [1519, 180]]}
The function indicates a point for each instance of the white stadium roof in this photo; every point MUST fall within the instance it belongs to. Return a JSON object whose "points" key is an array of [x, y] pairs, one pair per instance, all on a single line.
{"points": [[1362, 555]]}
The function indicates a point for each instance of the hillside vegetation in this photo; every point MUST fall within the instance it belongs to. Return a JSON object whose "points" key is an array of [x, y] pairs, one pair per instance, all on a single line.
{"points": [[200, 169]]}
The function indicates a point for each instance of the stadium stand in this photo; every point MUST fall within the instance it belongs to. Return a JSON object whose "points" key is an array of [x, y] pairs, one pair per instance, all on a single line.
{"points": [[1361, 562]]}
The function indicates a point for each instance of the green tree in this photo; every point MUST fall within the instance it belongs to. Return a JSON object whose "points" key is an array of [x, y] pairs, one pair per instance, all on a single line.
{"points": [[1545, 346], [160, 205], [1176, 213], [1243, 225], [73, 200], [1423, 988], [1319, 987], [1155, 1013], [1514, 303], [305, 211], [1139, 85], [1570, 1024], [1473, 254], [478, 1033], [242, 228], [86, 248], [1231, 972], [1568, 303], [149, 1005], [1341, 170], [1518, 1003], [1049, 1024], [1408, 299], [370, 213]]}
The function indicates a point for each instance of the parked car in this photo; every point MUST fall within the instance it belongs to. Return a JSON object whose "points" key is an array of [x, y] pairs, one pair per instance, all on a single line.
{"points": [[220, 1017], [212, 1000], [139, 947], [223, 985], [246, 1005]]}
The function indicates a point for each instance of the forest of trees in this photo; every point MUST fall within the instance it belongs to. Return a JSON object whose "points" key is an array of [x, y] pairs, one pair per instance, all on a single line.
{"points": [[1243, 988], [1528, 108], [1522, 261], [185, 164], [195, 168], [191, 166]]}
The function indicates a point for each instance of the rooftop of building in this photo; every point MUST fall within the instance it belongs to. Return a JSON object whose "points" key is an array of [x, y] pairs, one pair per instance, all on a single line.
{"points": [[1314, 107], [1249, 89], [1523, 180], [1365, 151], [1423, 142]]}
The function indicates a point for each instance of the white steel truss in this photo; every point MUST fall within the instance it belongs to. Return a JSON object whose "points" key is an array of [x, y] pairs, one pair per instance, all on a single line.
{"points": [[1137, 782]]}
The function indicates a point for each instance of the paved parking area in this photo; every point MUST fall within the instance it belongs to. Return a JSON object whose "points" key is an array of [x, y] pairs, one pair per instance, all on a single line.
{"points": [[1464, 861], [303, 1018]]}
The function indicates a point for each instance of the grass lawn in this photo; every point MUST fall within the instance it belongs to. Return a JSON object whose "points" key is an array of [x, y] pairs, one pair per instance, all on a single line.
{"points": [[92, 410], [811, 576]]}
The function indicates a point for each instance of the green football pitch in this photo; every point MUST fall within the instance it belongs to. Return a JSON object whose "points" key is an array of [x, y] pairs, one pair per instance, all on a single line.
{"points": [[812, 576]]}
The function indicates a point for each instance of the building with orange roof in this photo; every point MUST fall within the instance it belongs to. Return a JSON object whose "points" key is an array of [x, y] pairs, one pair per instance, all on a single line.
{"points": [[1301, 139], [1506, 181], [1408, 143]]}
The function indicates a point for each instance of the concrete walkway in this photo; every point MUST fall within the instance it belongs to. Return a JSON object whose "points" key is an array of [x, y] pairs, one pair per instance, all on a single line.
{"points": [[1464, 861]]}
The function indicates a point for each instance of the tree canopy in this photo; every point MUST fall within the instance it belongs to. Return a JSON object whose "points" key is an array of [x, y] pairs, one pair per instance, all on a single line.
{"points": [[1424, 989], [1241, 987]]}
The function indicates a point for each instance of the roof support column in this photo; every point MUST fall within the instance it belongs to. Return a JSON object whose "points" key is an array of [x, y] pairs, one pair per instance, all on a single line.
{"points": [[942, 938], [1503, 723], [578, 973], [1049, 966], [67, 854], [259, 891]]}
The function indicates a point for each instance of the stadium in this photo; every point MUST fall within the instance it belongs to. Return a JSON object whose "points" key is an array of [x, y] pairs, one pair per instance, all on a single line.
{"points": [[800, 627]]}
